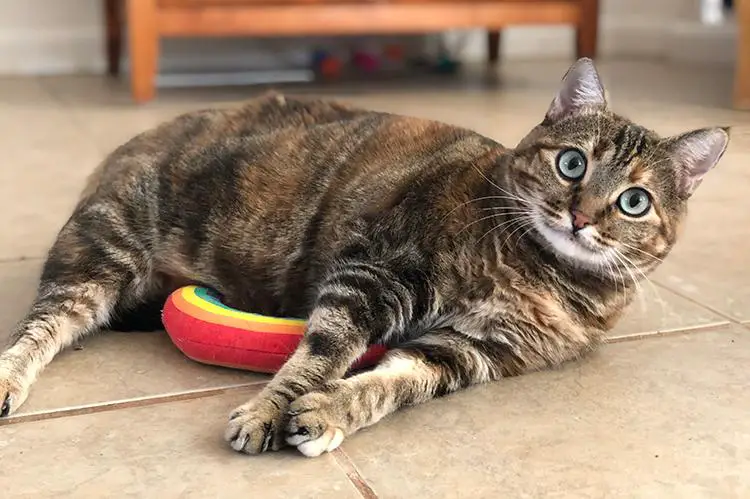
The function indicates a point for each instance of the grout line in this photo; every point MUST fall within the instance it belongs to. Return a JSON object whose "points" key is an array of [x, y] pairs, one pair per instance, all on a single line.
{"points": [[692, 300], [353, 474], [668, 332], [125, 404]]}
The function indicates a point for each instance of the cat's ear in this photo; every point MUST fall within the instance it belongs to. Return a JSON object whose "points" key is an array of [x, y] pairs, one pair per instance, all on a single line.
{"points": [[695, 153], [581, 90]]}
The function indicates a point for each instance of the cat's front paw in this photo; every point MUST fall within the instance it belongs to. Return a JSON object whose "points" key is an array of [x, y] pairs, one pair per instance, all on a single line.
{"points": [[13, 387], [318, 422], [256, 427]]}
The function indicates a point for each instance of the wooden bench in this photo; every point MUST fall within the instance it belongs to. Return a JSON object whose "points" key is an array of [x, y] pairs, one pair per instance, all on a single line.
{"points": [[148, 21]]}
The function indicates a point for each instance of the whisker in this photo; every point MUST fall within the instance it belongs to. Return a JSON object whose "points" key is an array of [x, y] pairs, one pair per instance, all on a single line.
{"points": [[634, 248], [622, 276], [476, 222], [656, 291], [611, 270], [478, 199], [502, 209], [495, 228], [628, 266], [523, 234], [493, 184], [525, 223], [507, 222]]}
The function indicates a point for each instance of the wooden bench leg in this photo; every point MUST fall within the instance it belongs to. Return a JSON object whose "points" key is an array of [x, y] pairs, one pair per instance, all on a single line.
{"points": [[113, 22], [742, 64], [143, 38], [494, 40], [588, 29]]}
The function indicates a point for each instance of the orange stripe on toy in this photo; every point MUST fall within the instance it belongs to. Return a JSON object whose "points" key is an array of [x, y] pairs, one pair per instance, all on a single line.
{"points": [[193, 309], [204, 299]]}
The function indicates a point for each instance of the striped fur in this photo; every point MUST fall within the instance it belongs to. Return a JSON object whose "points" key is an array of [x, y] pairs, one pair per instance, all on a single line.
{"points": [[377, 228]]}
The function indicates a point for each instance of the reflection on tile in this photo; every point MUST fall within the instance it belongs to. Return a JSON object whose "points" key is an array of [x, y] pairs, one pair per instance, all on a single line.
{"points": [[111, 366], [43, 173], [18, 282], [658, 310], [120, 366], [663, 417], [710, 263], [165, 450]]}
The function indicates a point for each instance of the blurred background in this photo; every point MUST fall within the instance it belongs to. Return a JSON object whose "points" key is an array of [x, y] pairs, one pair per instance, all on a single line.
{"points": [[160, 44]]}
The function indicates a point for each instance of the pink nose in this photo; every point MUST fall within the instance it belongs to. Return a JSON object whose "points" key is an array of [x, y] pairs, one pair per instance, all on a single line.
{"points": [[580, 220]]}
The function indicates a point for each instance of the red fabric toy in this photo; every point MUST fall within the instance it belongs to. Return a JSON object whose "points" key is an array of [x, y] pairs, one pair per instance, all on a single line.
{"points": [[208, 331]]}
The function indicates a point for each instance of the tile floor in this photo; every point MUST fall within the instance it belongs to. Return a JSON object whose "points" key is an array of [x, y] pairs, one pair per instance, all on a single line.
{"points": [[661, 411]]}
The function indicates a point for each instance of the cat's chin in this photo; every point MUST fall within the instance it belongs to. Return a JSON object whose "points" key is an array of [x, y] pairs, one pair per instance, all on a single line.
{"points": [[575, 248]]}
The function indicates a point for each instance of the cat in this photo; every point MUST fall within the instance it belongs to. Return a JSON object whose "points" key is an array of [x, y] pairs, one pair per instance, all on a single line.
{"points": [[471, 261]]}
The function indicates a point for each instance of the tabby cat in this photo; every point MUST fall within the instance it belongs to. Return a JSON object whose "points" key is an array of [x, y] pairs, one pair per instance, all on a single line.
{"points": [[472, 261]]}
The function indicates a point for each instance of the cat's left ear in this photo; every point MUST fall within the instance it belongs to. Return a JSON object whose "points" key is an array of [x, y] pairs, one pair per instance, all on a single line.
{"points": [[581, 90], [695, 153]]}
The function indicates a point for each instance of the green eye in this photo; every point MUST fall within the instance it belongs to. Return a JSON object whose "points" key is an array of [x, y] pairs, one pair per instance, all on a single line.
{"points": [[634, 202], [571, 163]]}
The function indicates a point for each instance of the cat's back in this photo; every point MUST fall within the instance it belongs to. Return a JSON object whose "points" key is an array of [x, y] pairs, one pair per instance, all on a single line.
{"points": [[280, 136], [191, 132]]}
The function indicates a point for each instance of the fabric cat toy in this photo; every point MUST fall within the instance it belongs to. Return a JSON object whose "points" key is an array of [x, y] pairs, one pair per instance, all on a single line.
{"points": [[208, 331]]}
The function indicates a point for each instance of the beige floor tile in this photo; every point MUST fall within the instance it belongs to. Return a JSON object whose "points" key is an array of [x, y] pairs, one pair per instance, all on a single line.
{"points": [[710, 263], [658, 310], [18, 281], [166, 450], [114, 367], [24, 92], [664, 417], [45, 167], [111, 366]]}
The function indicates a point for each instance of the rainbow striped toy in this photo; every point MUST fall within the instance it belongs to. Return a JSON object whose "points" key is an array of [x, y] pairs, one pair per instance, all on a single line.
{"points": [[208, 331]]}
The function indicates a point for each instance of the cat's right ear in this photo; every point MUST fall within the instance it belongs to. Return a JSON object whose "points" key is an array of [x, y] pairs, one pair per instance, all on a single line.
{"points": [[581, 91]]}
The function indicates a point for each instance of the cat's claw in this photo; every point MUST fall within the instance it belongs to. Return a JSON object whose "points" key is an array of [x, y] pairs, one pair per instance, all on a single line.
{"points": [[313, 426], [13, 391], [7, 405], [254, 428]]}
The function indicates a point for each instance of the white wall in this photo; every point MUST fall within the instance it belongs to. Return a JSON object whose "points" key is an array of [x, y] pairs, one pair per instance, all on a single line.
{"points": [[50, 36], [66, 36]]}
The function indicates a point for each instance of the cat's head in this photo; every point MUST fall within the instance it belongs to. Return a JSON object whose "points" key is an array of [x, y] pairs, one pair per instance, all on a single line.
{"points": [[602, 191]]}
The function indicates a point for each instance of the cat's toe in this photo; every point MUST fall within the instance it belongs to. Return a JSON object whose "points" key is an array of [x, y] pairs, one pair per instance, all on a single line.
{"points": [[314, 427], [12, 391], [253, 429]]}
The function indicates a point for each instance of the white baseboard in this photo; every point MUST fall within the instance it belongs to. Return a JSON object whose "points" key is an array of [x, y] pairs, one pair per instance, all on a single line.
{"points": [[81, 50]]}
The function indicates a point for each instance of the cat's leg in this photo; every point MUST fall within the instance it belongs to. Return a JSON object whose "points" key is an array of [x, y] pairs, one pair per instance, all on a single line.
{"points": [[358, 304], [90, 269], [436, 364]]}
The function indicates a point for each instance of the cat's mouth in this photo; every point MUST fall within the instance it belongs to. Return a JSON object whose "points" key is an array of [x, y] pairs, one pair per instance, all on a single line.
{"points": [[579, 246]]}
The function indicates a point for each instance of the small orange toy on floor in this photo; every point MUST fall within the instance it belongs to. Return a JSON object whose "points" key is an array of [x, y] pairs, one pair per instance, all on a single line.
{"points": [[208, 331]]}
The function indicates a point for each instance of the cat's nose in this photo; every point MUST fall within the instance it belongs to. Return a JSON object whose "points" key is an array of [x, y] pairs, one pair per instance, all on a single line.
{"points": [[580, 220]]}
